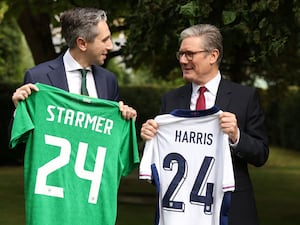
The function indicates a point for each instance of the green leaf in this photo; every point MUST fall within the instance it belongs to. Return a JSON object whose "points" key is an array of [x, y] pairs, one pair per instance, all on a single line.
{"points": [[228, 17], [190, 9]]}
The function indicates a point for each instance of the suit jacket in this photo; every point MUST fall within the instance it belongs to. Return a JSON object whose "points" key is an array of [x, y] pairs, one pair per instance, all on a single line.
{"points": [[252, 147], [53, 73]]}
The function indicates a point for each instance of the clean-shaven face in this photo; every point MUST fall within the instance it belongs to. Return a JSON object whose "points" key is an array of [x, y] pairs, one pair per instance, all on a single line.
{"points": [[98, 49], [198, 69]]}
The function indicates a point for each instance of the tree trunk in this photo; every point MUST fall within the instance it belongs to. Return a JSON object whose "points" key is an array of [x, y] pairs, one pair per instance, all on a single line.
{"points": [[36, 28]]}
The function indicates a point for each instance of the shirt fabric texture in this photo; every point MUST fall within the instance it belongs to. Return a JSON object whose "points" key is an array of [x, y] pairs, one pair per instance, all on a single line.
{"points": [[189, 161], [77, 150]]}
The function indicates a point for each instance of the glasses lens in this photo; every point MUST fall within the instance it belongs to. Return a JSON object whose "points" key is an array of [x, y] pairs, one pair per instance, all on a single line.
{"points": [[188, 55]]}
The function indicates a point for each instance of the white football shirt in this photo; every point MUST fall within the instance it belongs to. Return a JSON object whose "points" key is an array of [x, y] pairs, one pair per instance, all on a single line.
{"points": [[190, 163]]}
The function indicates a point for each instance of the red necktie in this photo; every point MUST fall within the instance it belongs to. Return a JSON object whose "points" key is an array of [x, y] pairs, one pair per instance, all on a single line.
{"points": [[200, 105]]}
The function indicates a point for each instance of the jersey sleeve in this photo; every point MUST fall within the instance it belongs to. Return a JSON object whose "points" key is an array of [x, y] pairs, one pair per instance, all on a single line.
{"points": [[22, 124], [129, 153], [228, 174], [145, 172]]}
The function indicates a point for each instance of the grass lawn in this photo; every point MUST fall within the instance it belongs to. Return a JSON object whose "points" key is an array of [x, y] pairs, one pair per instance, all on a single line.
{"points": [[11, 196], [277, 189]]}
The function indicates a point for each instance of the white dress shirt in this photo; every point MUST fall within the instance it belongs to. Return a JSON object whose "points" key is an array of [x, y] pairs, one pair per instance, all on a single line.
{"points": [[74, 76], [210, 94]]}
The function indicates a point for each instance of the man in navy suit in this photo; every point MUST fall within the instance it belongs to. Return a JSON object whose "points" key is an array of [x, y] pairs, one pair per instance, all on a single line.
{"points": [[200, 55], [88, 37]]}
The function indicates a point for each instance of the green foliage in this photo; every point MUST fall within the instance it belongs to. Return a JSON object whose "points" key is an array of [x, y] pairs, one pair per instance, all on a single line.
{"points": [[282, 108], [145, 99], [3, 9], [228, 17], [192, 9], [127, 76], [14, 57], [151, 38], [195, 11], [261, 38], [288, 122], [257, 36]]}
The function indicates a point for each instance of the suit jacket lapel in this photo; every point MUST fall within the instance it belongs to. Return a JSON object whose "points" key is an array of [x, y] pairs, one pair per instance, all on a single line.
{"points": [[185, 97], [223, 95], [57, 75], [101, 89]]}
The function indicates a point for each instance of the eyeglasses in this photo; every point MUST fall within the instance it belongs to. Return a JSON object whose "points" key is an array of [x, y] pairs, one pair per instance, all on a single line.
{"points": [[188, 54]]}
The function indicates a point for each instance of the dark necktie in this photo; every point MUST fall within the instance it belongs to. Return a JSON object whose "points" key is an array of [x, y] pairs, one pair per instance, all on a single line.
{"points": [[200, 105], [84, 90]]}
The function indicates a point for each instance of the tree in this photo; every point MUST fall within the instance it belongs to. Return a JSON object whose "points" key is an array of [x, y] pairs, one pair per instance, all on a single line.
{"points": [[261, 37], [36, 17], [13, 52]]}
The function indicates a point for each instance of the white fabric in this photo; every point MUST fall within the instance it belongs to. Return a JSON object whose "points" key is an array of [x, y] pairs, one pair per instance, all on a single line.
{"points": [[192, 141], [74, 76]]}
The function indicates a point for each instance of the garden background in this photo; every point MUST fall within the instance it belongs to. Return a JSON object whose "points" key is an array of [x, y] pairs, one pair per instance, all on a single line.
{"points": [[261, 49]]}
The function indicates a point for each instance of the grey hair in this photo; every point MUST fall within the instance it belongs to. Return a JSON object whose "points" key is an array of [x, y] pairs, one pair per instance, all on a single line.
{"points": [[81, 22], [212, 37]]}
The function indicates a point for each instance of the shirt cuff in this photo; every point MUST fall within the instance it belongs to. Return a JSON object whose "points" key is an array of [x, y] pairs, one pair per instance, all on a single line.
{"points": [[233, 145]]}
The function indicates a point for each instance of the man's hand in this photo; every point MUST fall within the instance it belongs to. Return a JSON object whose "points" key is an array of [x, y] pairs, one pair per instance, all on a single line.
{"points": [[23, 92], [228, 123], [127, 111], [149, 129]]}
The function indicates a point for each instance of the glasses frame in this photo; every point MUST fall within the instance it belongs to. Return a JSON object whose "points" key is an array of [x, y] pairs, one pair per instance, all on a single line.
{"points": [[189, 55]]}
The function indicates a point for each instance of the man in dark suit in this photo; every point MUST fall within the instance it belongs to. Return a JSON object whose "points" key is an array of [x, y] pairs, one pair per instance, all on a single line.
{"points": [[242, 119], [88, 37]]}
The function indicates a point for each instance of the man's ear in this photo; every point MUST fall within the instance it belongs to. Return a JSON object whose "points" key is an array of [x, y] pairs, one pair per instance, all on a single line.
{"points": [[81, 43], [214, 56]]}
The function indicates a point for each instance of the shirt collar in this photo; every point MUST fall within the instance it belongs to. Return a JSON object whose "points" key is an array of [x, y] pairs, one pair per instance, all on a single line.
{"points": [[212, 85], [70, 63]]}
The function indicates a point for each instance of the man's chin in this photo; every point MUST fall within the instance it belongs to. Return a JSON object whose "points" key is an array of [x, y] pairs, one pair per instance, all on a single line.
{"points": [[187, 77], [100, 62]]}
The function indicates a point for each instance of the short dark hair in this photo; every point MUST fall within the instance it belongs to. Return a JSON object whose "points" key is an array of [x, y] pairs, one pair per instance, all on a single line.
{"points": [[80, 22]]}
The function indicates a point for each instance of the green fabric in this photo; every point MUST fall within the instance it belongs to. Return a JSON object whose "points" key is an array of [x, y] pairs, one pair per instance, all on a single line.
{"points": [[62, 186]]}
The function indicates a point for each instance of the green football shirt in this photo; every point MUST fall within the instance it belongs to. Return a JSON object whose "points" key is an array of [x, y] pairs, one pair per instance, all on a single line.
{"points": [[77, 150]]}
